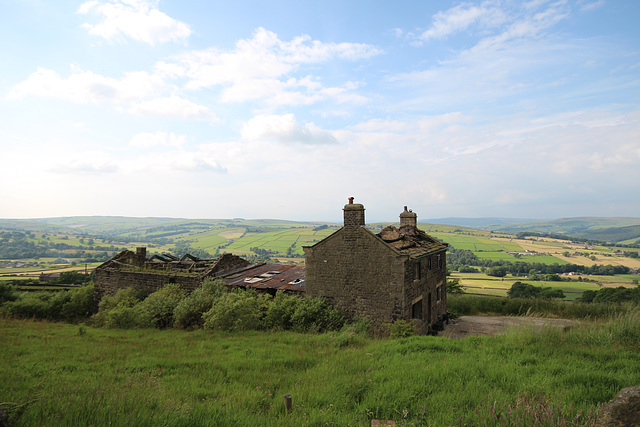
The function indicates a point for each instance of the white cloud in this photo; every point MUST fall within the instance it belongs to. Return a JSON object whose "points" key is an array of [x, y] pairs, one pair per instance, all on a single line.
{"points": [[285, 129], [264, 67], [157, 139], [88, 162], [87, 87], [461, 17], [138, 19], [173, 106], [176, 161], [497, 22]]}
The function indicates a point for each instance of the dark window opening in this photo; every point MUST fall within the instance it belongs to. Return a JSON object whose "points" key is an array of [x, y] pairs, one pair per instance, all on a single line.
{"points": [[416, 310], [416, 270]]}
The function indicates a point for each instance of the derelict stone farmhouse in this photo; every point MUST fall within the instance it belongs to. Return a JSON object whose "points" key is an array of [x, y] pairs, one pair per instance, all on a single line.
{"points": [[397, 274]]}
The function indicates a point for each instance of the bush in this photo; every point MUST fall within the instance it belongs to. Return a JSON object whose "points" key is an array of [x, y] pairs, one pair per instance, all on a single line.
{"points": [[402, 329], [29, 305], [188, 313], [80, 304], [7, 293], [315, 315], [125, 317], [117, 310], [280, 311], [234, 311], [157, 309], [62, 305]]}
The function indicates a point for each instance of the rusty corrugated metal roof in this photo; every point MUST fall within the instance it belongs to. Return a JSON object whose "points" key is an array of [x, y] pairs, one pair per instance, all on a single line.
{"points": [[284, 277]]}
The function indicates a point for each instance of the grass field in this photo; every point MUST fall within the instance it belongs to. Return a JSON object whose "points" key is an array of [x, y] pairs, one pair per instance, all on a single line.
{"points": [[58, 374], [479, 283]]}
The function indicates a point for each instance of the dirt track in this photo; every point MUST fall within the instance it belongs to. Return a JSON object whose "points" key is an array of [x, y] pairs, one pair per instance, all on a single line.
{"points": [[465, 326]]}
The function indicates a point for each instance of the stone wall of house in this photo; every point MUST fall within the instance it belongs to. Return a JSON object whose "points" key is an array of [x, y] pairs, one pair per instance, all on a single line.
{"points": [[131, 270], [358, 274], [426, 282]]}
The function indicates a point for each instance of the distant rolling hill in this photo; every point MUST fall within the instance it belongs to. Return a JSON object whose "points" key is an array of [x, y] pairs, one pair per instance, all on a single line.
{"points": [[617, 229], [481, 223]]}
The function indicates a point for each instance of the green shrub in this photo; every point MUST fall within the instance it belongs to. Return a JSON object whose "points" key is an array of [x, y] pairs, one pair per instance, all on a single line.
{"points": [[402, 329], [7, 293], [62, 305], [238, 310], [315, 315], [188, 313], [125, 317], [29, 305], [80, 304], [156, 311], [118, 309], [280, 311]]}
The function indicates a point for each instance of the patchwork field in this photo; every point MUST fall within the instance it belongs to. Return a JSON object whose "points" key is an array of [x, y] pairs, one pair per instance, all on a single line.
{"points": [[481, 284], [282, 240]]}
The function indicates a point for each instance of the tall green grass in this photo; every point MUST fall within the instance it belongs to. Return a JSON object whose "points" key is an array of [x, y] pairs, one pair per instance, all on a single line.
{"points": [[466, 304], [58, 374]]}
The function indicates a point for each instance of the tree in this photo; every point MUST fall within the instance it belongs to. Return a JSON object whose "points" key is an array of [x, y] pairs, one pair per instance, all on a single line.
{"points": [[496, 271], [454, 286]]}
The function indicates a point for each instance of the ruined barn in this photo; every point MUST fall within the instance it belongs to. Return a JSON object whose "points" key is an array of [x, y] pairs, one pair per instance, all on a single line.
{"points": [[130, 269]]}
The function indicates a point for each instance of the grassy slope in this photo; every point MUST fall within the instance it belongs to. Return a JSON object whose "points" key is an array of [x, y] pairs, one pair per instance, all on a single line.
{"points": [[170, 377]]}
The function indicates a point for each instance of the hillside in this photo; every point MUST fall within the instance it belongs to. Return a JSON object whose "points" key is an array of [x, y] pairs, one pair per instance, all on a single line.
{"points": [[615, 229]]}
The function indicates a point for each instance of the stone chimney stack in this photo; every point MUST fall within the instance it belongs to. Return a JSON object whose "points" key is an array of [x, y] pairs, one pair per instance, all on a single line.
{"points": [[408, 218], [141, 256], [353, 214]]}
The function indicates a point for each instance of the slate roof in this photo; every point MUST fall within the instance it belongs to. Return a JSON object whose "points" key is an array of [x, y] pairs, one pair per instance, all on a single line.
{"points": [[410, 241]]}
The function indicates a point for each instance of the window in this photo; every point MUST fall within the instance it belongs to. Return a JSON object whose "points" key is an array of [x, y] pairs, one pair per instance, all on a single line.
{"points": [[429, 263], [416, 310], [439, 293], [440, 262], [417, 273]]}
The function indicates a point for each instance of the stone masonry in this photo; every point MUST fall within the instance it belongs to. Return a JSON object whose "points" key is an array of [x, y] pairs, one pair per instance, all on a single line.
{"points": [[398, 274], [133, 270]]}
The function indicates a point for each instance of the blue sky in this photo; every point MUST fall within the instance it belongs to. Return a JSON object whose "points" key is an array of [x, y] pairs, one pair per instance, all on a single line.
{"points": [[280, 109]]}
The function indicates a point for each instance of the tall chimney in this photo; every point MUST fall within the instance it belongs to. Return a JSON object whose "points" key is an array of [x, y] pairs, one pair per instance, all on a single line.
{"points": [[353, 214], [141, 256], [408, 218]]}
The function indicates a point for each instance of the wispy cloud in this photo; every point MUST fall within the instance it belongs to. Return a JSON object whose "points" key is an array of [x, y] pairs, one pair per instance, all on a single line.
{"points": [[139, 20], [285, 129], [173, 106], [88, 162], [485, 15], [157, 139], [87, 87]]}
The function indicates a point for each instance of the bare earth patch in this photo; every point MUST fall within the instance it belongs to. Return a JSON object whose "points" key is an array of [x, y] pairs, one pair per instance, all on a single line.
{"points": [[465, 326]]}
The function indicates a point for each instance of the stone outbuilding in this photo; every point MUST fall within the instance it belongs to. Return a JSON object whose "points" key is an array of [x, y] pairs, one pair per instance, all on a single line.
{"points": [[397, 274], [130, 269]]}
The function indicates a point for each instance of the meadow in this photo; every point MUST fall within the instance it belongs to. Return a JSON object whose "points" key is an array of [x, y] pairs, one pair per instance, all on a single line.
{"points": [[62, 374], [482, 284]]}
